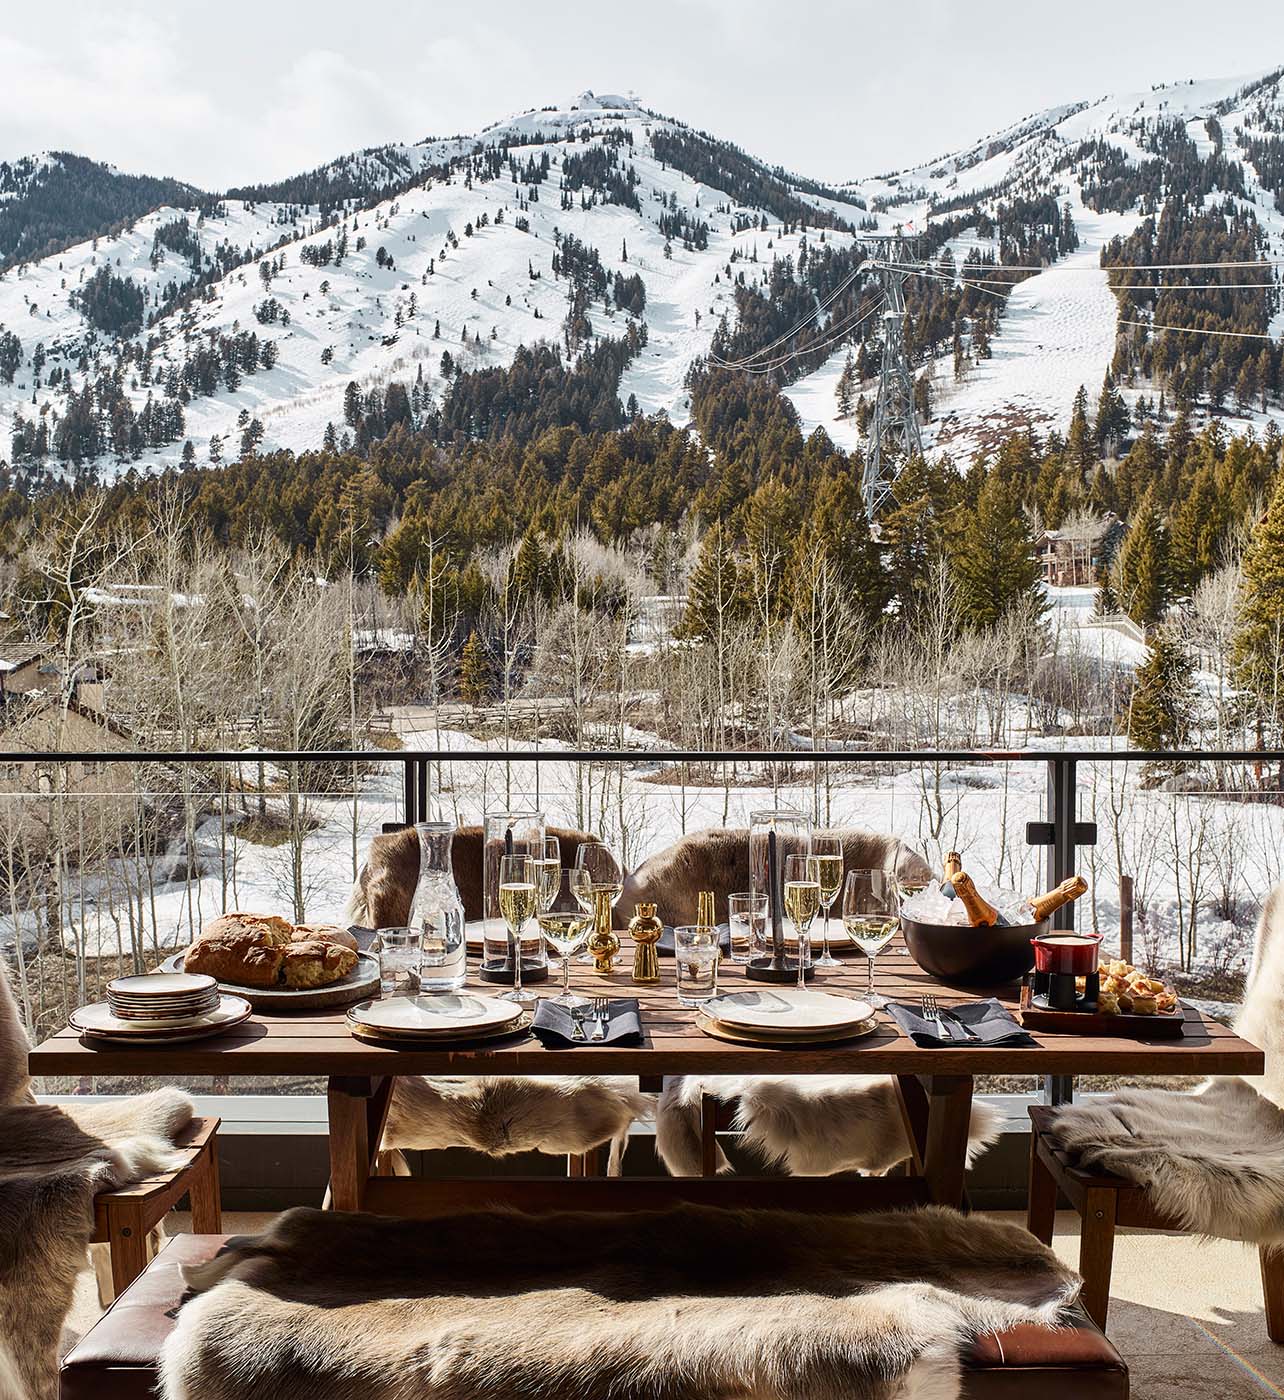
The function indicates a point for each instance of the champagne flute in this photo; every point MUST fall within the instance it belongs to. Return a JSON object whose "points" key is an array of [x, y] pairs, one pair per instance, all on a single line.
{"points": [[870, 902], [827, 866], [518, 899], [548, 861], [802, 903], [565, 928], [598, 883]]}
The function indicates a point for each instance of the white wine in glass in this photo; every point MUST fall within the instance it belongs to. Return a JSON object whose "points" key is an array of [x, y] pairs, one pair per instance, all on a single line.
{"points": [[870, 900], [548, 871], [802, 904], [597, 884], [518, 903], [565, 929], [827, 866]]}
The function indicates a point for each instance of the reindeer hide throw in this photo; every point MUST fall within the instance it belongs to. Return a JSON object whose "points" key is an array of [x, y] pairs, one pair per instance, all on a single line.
{"points": [[691, 1304]]}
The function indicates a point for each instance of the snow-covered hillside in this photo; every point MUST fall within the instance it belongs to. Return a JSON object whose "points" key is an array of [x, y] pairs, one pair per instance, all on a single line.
{"points": [[460, 257], [1059, 329]]}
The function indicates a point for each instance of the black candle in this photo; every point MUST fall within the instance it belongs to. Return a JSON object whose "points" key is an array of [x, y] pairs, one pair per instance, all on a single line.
{"points": [[773, 887], [508, 842]]}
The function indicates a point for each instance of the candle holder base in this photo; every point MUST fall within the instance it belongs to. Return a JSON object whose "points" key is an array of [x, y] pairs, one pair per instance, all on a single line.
{"points": [[501, 971], [771, 970]]}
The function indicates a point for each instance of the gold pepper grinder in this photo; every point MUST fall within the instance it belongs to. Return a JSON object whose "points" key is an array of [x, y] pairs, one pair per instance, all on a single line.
{"points": [[645, 929]]}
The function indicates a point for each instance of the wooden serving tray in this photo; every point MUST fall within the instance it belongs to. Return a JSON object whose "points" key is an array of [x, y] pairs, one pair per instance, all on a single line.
{"points": [[1164, 1025]]}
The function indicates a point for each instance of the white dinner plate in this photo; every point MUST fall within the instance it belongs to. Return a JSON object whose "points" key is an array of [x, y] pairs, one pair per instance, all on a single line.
{"points": [[98, 1020], [440, 1013], [745, 1037], [788, 1011], [168, 985]]}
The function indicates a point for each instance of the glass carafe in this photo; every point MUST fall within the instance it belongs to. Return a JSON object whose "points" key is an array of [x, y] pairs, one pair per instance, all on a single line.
{"points": [[511, 834], [437, 912]]}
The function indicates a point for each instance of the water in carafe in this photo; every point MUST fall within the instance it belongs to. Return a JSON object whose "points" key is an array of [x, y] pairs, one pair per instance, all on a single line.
{"points": [[438, 912]]}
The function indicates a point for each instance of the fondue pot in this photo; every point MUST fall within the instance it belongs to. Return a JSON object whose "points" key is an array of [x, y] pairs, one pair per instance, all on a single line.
{"points": [[1060, 957]]}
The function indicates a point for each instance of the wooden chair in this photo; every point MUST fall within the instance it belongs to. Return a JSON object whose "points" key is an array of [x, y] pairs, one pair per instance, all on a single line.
{"points": [[1105, 1202], [125, 1219]]}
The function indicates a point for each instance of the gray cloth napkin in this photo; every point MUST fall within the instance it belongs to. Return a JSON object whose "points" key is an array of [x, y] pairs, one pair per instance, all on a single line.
{"points": [[989, 1023], [555, 1026]]}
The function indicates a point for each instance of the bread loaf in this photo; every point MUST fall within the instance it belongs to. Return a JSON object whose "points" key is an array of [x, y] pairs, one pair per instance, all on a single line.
{"points": [[238, 956], [262, 951], [316, 963]]}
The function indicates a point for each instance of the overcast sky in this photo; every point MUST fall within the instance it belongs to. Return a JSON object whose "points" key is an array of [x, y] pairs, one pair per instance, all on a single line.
{"points": [[233, 91]]}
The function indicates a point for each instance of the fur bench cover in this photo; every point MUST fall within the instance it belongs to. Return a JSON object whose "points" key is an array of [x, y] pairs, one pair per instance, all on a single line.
{"points": [[1212, 1160], [692, 1304]]}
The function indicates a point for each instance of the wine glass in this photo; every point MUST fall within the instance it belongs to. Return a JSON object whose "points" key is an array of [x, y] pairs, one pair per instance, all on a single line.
{"points": [[597, 884], [565, 928], [802, 903], [870, 902], [908, 886], [518, 898], [827, 866]]}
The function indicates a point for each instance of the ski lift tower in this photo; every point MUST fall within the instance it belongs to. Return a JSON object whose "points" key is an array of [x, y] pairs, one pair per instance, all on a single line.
{"points": [[894, 435]]}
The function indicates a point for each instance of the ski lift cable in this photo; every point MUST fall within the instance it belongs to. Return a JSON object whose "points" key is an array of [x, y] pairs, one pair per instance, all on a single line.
{"points": [[981, 283], [836, 333], [747, 360], [1196, 330], [1258, 263]]}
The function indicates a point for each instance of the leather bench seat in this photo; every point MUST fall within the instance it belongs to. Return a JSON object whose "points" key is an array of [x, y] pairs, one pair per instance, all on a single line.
{"points": [[116, 1359]]}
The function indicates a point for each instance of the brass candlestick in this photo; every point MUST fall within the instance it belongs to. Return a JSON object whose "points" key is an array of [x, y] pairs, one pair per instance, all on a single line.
{"points": [[645, 929], [603, 942]]}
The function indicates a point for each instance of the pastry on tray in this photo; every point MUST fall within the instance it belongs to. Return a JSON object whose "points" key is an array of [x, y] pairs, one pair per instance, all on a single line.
{"points": [[266, 952]]}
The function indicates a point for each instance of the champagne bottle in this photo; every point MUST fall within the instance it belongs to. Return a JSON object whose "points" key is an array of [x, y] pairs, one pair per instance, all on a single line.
{"points": [[1043, 906], [980, 911], [953, 864]]}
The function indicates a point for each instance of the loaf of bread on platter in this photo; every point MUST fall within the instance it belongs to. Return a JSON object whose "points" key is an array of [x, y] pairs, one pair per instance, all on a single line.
{"points": [[316, 963], [237, 955], [264, 951]]}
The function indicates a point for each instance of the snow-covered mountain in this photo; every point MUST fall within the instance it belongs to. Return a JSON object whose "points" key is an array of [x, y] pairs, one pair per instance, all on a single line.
{"points": [[394, 263]]}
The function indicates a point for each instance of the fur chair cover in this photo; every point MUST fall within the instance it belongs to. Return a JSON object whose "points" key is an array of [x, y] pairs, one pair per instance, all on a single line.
{"points": [[510, 1114], [807, 1125], [52, 1163], [386, 885], [718, 860], [696, 1304], [1213, 1159]]}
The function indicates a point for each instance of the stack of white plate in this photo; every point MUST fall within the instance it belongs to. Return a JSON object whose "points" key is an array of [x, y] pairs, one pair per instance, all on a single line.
{"points": [[435, 1018], [790, 1014], [162, 996], [161, 1007]]}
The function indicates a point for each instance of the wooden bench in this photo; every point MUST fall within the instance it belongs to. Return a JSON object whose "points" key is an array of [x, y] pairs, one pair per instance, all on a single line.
{"points": [[124, 1219], [117, 1359], [1105, 1202]]}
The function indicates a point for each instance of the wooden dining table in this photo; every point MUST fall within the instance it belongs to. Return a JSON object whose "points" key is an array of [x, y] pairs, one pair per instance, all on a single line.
{"points": [[934, 1083]]}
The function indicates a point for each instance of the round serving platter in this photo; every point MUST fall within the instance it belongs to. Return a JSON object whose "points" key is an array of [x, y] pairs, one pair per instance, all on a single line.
{"points": [[460, 1039], [99, 1022], [358, 984]]}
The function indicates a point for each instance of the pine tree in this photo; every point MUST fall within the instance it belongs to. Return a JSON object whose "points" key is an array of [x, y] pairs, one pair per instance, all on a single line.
{"points": [[476, 678], [1259, 644], [1081, 447], [715, 591], [1161, 712], [1140, 578], [992, 559]]}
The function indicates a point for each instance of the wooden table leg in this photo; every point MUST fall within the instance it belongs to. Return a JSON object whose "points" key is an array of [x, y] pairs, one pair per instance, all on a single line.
{"points": [[912, 1098], [949, 1115], [358, 1108]]}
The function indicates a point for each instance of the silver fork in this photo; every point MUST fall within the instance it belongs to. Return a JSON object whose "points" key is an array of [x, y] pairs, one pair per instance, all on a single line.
{"points": [[932, 1012], [601, 1010]]}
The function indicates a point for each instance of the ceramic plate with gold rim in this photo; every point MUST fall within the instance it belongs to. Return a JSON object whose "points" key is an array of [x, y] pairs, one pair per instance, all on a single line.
{"points": [[787, 1011], [408, 1038], [435, 1013], [722, 1031]]}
